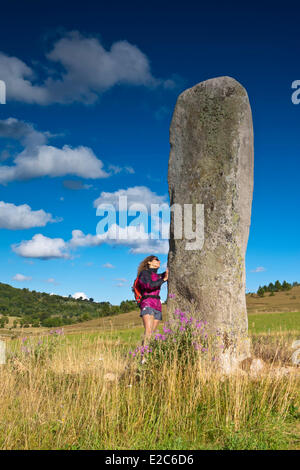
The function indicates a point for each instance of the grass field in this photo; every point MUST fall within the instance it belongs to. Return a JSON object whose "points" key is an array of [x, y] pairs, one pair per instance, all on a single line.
{"points": [[79, 399], [84, 391]]}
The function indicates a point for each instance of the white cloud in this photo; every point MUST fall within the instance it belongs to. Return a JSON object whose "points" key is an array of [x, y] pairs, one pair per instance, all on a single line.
{"points": [[258, 270], [155, 247], [17, 76], [80, 239], [87, 70], [77, 295], [108, 265], [42, 247], [12, 128], [21, 278], [133, 237], [135, 194], [14, 217], [51, 280], [38, 159], [117, 169]]}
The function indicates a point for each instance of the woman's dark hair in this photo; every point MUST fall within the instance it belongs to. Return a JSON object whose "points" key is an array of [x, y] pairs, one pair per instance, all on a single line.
{"points": [[144, 264]]}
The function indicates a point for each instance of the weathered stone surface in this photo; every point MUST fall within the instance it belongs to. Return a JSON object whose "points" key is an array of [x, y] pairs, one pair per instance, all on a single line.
{"points": [[211, 162]]}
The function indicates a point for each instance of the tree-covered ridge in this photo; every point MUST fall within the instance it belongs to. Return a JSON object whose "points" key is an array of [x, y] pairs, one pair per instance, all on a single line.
{"points": [[276, 287], [42, 309]]}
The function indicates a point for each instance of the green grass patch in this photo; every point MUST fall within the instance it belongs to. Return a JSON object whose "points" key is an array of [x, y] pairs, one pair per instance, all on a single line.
{"points": [[274, 322]]}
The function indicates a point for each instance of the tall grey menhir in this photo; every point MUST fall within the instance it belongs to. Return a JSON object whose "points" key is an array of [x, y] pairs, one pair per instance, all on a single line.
{"points": [[211, 163]]}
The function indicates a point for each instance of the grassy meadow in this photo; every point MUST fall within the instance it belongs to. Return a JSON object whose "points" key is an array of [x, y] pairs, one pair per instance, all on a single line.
{"points": [[83, 390]]}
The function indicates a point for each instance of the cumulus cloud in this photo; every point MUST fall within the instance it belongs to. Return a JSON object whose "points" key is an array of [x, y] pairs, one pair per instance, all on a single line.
{"points": [[80, 239], [42, 247], [134, 237], [135, 195], [156, 247], [79, 295], [85, 70], [21, 278], [38, 159], [17, 77], [22, 131], [14, 217]]}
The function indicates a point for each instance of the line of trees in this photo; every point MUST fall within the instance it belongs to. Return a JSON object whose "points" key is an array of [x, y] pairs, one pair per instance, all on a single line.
{"points": [[276, 287], [31, 308]]}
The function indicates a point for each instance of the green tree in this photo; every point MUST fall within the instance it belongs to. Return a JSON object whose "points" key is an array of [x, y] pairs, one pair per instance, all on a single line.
{"points": [[278, 286], [286, 286], [260, 292], [271, 287]]}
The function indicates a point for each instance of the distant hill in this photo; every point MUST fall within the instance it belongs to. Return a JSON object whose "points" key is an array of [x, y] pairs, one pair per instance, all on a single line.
{"points": [[282, 301], [41, 309], [21, 307]]}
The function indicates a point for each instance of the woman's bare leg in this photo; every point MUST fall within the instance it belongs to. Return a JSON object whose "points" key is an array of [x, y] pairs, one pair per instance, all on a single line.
{"points": [[155, 325], [148, 321]]}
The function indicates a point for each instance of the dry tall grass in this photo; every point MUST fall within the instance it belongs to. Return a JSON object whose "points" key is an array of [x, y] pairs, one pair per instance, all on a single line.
{"points": [[88, 396]]}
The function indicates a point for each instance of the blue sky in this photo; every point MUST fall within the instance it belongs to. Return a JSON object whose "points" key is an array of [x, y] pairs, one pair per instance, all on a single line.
{"points": [[90, 95]]}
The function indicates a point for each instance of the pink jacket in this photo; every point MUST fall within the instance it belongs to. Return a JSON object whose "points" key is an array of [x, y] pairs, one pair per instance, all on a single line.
{"points": [[149, 284]]}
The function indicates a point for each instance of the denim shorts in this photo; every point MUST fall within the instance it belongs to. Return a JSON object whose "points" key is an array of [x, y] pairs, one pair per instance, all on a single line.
{"points": [[151, 311]]}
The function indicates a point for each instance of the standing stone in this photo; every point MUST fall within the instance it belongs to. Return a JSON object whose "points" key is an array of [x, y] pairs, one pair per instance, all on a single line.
{"points": [[211, 163], [2, 352]]}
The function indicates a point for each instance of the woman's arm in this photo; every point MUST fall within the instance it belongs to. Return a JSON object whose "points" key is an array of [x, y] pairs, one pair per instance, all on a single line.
{"points": [[147, 283]]}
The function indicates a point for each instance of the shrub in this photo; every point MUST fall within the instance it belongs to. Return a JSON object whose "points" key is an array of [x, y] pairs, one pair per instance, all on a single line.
{"points": [[183, 338], [38, 352]]}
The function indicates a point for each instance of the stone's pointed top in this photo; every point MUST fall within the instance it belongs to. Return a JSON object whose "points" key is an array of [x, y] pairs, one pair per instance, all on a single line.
{"points": [[216, 84], [220, 81]]}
